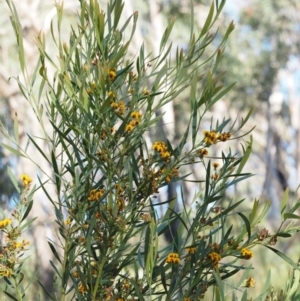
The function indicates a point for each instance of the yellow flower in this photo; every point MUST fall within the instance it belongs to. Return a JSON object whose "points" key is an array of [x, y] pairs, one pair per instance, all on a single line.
{"points": [[223, 136], [146, 92], [129, 128], [191, 250], [114, 105], [250, 282], [173, 258], [215, 176], [202, 152], [17, 245], [95, 194], [162, 149], [68, 221], [112, 75], [247, 254], [134, 122], [210, 137], [215, 258], [111, 94], [4, 223], [119, 107], [5, 272], [81, 288], [215, 165], [136, 115], [165, 155], [26, 179]]}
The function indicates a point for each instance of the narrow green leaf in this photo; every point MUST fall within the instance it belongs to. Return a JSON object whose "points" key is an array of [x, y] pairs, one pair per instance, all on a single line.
{"points": [[13, 179], [180, 218], [18, 32], [208, 21], [21, 278], [284, 257], [246, 224], [38, 148], [166, 35], [12, 150], [288, 215], [54, 251], [246, 156], [220, 95], [220, 287], [284, 201], [253, 212], [28, 209], [293, 289], [45, 290], [55, 268], [229, 209], [56, 172], [147, 243], [282, 234], [244, 297], [266, 288], [29, 222], [16, 128], [207, 182], [10, 296]]}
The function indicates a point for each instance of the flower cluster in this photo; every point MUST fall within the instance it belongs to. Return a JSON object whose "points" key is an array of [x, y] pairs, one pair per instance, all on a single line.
{"points": [[202, 152], [171, 174], [111, 94], [215, 165], [4, 223], [250, 282], [136, 116], [119, 107], [16, 246], [145, 217], [112, 74], [215, 258], [82, 288], [92, 88], [191, 250], [173, 258], [9, 252], [146, 92], [215, 175], [224, 136], [263, 234], [247, 254], [96, 194], [212, 137], [162, 149], [103, 133], [26, 180]]}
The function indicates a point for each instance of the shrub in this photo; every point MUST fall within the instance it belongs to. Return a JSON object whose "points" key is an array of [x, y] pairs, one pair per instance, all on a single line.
{"points": [[101, 104]]}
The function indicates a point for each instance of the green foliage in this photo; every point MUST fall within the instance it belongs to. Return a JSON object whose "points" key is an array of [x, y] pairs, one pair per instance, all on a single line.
{"points": [[101, 103]]}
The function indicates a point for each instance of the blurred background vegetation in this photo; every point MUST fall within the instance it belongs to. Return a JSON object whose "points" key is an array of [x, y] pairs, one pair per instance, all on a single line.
{"points": [[262, 57]]}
